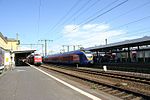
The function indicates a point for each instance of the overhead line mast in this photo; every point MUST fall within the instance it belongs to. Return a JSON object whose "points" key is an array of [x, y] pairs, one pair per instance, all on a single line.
{"points": [[45, 42]]}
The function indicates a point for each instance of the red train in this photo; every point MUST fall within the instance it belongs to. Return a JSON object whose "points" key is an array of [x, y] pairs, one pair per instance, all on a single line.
{"points": [[35, 59]]}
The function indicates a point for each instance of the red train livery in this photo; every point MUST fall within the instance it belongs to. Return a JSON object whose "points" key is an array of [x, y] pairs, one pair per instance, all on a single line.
{"points": [[35, 59]]}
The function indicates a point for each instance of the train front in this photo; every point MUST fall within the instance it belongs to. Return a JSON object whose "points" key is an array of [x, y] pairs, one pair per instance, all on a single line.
{"points": [[89, 56], [37, 59]]}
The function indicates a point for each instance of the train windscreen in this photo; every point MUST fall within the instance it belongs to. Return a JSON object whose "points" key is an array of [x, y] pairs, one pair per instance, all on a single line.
{"points": [[38, 57], [87, 52], [89, 55]]}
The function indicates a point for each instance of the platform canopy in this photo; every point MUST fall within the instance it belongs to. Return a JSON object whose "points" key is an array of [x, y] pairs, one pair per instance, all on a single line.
{"points": [[20, 55], [127, 43], [24, 51]]}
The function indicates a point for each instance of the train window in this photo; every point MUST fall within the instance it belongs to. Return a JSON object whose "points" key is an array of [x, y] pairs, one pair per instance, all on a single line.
{"points": [[89, 56], [37, 56], [87, 52]]}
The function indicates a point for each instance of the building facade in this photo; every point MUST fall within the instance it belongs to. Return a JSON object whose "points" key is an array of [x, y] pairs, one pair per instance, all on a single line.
{"points": [[8, 45]]}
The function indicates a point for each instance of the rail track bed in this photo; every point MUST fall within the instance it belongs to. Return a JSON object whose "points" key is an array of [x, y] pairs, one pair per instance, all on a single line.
{"points": [[122, 86], [125, 76]]}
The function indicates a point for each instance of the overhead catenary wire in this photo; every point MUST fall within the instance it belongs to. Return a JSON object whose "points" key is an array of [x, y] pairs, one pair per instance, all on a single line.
{"points": [[140, 33], [94, 18], [133, 9], [129, 11], [129, 23], [99, 15], [127, 33], [77, 11], [107, 6], [62, 19], [100, 10], [104, 12], [39, 16], [141, 19], [135, 34], [135, 21], [146, 17], [84, 11], [137, 31]]}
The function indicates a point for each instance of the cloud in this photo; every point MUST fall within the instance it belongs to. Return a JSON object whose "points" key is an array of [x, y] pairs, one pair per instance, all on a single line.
{"points": [[54, 49], [95, 27], [89, 34], [71, 29]]}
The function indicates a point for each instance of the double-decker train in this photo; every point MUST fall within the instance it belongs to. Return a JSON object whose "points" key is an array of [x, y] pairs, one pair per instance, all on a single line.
{"points": [[35, 59], [80, 57]]}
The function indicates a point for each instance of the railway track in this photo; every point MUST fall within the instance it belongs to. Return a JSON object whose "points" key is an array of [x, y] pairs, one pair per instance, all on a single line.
{"points": [[139, 79], [117, 75], [122, 92]]}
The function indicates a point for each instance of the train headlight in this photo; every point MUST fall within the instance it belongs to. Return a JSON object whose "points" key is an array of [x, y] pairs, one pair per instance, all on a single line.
{"points": [[90, 57]]}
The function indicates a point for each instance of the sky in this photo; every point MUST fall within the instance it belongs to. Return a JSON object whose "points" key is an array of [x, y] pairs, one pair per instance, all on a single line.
{"points": [[74, 22]]}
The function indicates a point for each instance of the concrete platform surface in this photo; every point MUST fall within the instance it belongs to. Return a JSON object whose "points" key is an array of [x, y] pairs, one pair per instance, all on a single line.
{"points": [[27, 83]]}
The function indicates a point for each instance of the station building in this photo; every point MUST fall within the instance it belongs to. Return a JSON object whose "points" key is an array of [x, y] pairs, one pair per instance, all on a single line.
{"points": [[7, 47]]}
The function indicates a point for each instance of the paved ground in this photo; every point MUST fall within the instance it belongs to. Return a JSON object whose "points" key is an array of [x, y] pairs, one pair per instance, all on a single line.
{"points": [[26, 83]]}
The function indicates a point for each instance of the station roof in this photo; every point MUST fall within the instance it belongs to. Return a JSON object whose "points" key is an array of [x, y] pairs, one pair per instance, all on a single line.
{"points": [[127, 43], [24, 51]]}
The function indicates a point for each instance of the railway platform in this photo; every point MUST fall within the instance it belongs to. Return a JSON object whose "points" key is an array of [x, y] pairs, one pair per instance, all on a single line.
{"points": [[27, 83]]}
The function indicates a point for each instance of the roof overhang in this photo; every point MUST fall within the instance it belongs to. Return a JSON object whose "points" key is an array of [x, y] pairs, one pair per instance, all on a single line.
{"points": [[123, 44], [24, 51]]}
